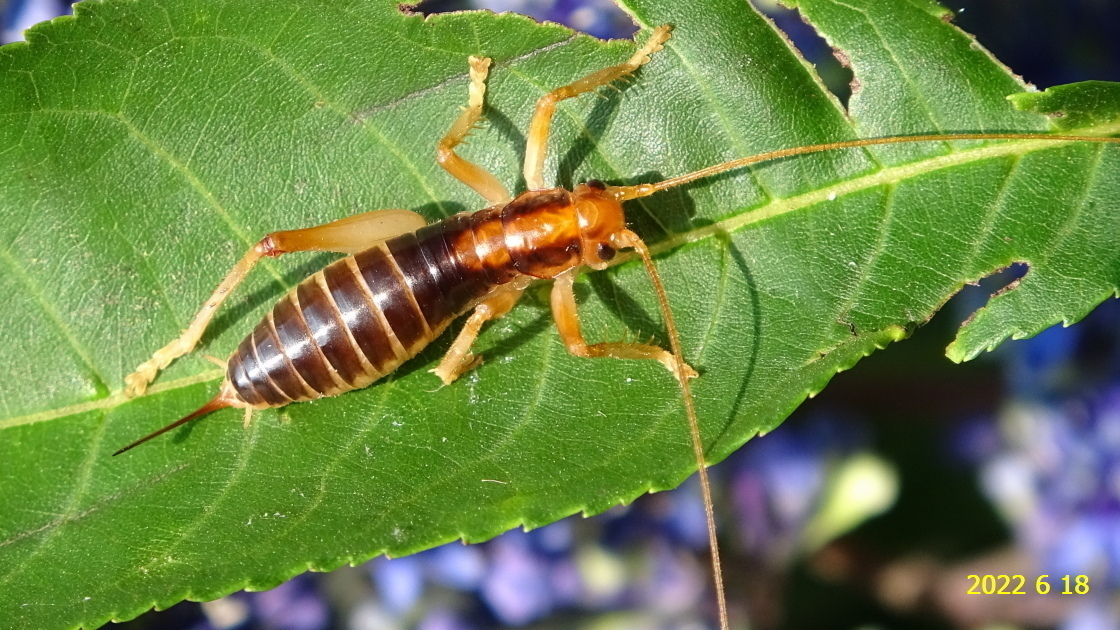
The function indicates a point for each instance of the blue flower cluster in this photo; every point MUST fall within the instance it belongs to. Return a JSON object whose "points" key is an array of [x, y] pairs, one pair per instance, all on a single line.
{"points": [[601, 18], [575, 566], [638, 566], [17, 15], [648, 559], [1050, 461]]}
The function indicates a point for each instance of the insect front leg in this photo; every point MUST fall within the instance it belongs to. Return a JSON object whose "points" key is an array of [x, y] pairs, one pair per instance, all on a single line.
{"points": [[467, 172], [459, 358], [537, 144], [348, 236], [565, 313]]}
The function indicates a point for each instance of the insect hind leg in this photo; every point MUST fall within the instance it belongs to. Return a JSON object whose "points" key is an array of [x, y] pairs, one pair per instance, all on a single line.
{"points": [[137, 382], [348, 236], [537, 145]]}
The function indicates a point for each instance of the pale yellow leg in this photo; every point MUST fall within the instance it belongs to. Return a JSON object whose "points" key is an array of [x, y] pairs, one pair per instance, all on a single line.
{"points": [[459, 358], [346, 236], [468, 172], [349, 235], [565, 313], [537, 144], [137, 382]]}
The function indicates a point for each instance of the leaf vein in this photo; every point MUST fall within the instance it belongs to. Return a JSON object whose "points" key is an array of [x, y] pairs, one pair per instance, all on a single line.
{"points": [[196, 183], [327, 470], [418, 495], [843, 314], [38, 296], [189, 528], [1072, 219], [729, 225], [995, 210], [911, 86], [81, 485]]}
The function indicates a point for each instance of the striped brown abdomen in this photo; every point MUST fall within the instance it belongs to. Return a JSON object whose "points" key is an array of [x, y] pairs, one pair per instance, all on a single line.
{"points": [[362, 316]]}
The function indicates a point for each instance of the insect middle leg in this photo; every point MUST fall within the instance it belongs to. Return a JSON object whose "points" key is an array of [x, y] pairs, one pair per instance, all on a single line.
{"points": [[537, 144], [348, 236], [566, 315], [459, 359], [467, 172]]}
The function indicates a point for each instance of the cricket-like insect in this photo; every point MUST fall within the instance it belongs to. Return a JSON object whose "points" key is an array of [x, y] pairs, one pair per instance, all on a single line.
{"points": [[403, 281]]}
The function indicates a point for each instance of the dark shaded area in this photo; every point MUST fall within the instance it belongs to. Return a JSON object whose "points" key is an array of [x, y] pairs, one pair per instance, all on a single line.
{"points": [[428, 7], [912, 396], [834, 74], [1047, 43]]}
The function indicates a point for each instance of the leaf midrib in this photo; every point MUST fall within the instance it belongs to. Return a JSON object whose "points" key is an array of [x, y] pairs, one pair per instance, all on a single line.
{"points": [[887, 175], [733, 223]]}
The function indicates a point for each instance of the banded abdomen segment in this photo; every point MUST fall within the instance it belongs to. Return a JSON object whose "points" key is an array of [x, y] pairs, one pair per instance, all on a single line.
{"points": [[362, 316]]}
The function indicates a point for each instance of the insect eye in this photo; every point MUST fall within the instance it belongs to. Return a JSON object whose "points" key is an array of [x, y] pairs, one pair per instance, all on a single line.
{"points": [[606, 252], [596, 184]]}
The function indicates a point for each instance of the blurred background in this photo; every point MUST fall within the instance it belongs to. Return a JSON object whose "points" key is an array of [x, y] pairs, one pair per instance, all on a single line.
{"points": [[870, 507]]}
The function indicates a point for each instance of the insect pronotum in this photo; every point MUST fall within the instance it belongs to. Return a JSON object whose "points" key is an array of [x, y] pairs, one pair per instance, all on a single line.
{"points": [[404, 281]]}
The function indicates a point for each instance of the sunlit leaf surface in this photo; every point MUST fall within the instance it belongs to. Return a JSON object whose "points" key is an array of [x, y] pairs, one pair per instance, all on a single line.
{"points": [[145, 146]]}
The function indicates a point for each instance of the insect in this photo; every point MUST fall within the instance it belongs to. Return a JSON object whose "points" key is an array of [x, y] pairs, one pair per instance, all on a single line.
{"points": [[403, 282]]}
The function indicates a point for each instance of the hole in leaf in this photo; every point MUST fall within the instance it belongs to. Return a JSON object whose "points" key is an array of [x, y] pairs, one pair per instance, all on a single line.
{"points": [[598, 18], [831, 65], [975, 296], [1047, 43]]}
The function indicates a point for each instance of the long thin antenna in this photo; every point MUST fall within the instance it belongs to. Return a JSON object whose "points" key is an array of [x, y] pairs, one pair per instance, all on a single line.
{"points": [[630, 239], [225, 398], [622, 193]]}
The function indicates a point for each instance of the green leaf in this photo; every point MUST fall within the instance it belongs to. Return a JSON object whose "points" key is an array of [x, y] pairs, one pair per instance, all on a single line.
{"points": [[1075, 106], [145, 146]]}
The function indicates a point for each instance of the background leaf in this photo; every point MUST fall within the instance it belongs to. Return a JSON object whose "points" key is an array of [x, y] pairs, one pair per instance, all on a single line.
{"points": [[147, 146]]}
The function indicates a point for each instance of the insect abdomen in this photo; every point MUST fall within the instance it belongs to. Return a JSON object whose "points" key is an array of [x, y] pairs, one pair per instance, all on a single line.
{"points": [[362, 316]]}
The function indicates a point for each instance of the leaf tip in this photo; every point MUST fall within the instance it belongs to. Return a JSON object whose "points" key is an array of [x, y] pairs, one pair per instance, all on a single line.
{"points": [[957, 353]]}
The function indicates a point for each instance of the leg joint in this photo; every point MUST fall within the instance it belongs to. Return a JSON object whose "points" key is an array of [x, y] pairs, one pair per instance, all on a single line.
{"points": [[445, 151], [267, 247]]}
